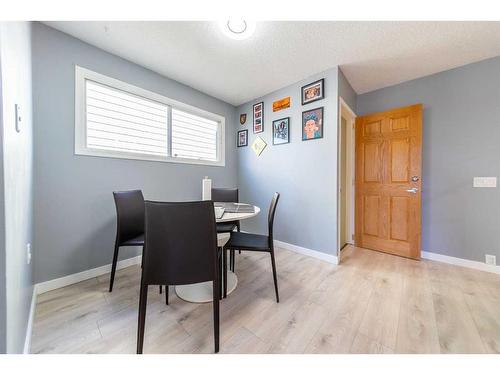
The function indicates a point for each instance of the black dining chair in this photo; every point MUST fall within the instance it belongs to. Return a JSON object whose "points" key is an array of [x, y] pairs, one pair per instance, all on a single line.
{"points": [[227, 195], [129, 225], [180, 248], [256, 242]]}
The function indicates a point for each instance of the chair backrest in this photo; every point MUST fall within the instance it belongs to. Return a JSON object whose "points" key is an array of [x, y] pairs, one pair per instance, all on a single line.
{"points": [[180, 243], [225, 195], [129, 213], [270, 216]]}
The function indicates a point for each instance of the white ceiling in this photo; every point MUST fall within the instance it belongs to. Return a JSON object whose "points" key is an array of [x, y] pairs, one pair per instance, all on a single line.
{"points": [[372, 55]]}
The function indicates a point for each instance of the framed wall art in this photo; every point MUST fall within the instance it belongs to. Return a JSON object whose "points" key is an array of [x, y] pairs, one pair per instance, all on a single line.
{"points": [[258, 117], [243, 138], [313, 91], [312, 124], [281, 131], [284, 103], [258, 146]]}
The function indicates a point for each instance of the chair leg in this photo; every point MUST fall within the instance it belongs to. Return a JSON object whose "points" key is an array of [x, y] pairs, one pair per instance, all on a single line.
{"points": [[160, 288], [273, 262], [143, 298], [166, 294], [216, 298], [238, 228], [113, 267], [220, 271], [231, 260], [224, 272]]}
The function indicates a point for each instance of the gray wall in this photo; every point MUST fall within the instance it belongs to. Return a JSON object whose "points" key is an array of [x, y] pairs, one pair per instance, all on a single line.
{"points": [[304, 172], [3, 278], [347, 92], [15, 43], [461, 140], [74, 209]]}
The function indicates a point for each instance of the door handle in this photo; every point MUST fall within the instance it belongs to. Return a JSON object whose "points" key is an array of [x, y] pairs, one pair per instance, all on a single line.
{"points": [[412, 190]]}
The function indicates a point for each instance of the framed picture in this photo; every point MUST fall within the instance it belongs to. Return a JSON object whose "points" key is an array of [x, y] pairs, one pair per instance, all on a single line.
{"points": [[258, 117], [243, 138], [312, 124], [281, 131], [313, 91], [284, 103], [243, 118], [258, 146]]}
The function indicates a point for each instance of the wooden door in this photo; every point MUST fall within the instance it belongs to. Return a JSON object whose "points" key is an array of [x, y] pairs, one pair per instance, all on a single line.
{"points": [[388, 181]]}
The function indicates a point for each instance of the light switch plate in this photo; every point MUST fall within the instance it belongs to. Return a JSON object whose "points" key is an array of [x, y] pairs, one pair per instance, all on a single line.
{"points": [[28, 253], [490, 182], [491, 259], [19, 118]]}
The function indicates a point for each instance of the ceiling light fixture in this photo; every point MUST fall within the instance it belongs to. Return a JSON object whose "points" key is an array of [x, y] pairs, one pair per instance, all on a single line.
{"points": [[237, 28]]}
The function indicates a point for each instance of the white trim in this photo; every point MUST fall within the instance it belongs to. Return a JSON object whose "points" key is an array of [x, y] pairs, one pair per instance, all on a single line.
{"points": [[304, 251], [350, 142], [82, 74], [47, 286], [61, 282], [461, 262], [29, 327]]}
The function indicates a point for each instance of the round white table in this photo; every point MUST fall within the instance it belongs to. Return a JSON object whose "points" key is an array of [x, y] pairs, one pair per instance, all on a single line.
{"points": [[203, 292]]}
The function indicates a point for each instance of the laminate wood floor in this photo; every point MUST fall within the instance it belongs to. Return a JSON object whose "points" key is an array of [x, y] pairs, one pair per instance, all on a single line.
{"points": [[371, 303]]}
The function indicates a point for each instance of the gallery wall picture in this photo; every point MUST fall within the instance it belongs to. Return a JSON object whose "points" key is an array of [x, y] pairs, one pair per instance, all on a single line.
{"points": [[258, 146], [243, 138], [281, 131], [243, 118], [313, 91], [258, 117], [312, 124], [284, 103]]}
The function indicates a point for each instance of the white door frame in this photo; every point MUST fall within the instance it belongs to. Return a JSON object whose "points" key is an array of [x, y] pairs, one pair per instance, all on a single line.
{"points": [[350, 116]]}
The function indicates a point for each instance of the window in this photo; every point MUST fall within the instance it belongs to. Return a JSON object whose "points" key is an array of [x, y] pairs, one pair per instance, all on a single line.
{"points": [[193, 137], [115, 119]]}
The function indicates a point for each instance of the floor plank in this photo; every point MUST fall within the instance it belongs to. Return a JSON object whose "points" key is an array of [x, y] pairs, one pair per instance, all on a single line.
{"points": [[371, 303]]}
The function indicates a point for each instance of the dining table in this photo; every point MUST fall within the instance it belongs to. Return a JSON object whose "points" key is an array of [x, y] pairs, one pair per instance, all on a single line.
{"points": [[203, 292]]}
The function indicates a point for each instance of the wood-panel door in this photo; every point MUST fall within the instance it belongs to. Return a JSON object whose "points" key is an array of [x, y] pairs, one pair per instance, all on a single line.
{"points": [[389, 180]]}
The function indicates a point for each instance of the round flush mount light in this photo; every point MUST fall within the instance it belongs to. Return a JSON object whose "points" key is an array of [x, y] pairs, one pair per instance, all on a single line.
{"points": [[237, 28]]}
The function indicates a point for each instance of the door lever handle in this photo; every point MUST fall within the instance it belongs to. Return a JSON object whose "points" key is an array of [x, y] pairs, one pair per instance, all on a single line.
{"points": [[412, 190]]}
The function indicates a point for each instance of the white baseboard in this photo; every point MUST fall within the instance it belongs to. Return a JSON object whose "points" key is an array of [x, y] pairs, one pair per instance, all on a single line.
{"points": [[47, 286], [461, 262], [304, 251], [29, 327], [61, 282]]}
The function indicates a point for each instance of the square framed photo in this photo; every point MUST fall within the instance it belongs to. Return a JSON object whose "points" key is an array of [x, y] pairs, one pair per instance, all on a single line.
{"points": [[281, 131], [258, 117], [312, 124], [243, 138], [313, 91]]}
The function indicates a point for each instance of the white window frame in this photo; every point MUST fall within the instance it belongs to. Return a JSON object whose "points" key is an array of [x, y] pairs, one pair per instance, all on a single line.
{"points": [[82, 74]]}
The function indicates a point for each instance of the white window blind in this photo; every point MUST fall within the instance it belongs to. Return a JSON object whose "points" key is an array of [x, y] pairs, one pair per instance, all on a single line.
{"points": [[119, 121], [193, 137]]}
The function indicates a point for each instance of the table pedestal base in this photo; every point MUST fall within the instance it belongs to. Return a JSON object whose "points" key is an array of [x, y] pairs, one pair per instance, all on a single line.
{"points": [[202, 292]]}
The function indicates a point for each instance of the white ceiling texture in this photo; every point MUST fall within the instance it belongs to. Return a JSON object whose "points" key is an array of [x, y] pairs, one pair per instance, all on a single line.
{"points": [[372, 55]]}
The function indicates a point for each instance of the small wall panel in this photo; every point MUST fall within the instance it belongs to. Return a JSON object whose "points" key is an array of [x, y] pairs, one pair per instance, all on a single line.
{"points": [[371, 206], [399, 218], [400, 160], [400, 123], [372, 162], [372, 128]]}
